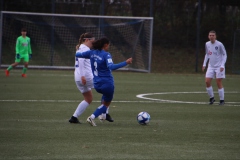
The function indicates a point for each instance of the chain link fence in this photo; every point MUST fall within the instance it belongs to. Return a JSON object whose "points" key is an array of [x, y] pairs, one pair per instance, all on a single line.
{"points": [[180, 26]]}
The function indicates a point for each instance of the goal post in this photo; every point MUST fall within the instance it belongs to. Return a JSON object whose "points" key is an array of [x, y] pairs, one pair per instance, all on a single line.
{"points": [[54, 37]]}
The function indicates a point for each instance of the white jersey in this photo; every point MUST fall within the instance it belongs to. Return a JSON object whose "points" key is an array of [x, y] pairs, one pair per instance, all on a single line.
{"points": [[83, 66], [216, 54]]}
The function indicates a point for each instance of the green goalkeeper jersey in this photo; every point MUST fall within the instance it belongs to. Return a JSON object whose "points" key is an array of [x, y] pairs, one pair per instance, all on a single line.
{"points": [[23, 46]]}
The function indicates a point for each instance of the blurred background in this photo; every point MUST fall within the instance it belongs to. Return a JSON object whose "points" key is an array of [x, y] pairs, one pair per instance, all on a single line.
{"points": [[180, 27]]}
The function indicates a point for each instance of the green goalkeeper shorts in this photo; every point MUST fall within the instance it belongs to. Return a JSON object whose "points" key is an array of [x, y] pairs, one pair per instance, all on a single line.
{"points": [[25, 58]]}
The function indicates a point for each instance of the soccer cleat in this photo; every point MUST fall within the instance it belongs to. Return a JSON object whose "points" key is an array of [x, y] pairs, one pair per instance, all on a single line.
{"points": [[7, 72], [211, 100], [74, 120], [221, 103], [24, 75], [91, 121], [109, 118]]}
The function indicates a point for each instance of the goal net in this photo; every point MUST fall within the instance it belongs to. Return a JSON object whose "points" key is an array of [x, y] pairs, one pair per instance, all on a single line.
{"points": [[236, 53], [54, 37]]}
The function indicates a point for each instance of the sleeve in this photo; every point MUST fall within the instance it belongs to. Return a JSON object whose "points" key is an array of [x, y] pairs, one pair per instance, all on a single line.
{"points": [[116, 66], [206, 57], [17, 46], [224, 56], [113, 66], [81, 64], [83, 54], [29, 47]]}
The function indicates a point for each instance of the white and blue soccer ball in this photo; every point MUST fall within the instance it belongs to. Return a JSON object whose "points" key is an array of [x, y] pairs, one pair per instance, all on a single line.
{"points": [[143, 118]]}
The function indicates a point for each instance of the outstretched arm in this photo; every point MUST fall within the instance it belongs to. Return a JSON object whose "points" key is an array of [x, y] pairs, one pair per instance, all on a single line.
{"points": [[83, 54], [119, 65]]}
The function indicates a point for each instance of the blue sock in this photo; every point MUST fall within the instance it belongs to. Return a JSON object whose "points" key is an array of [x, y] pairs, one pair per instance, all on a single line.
{"points": [[101, 109]]}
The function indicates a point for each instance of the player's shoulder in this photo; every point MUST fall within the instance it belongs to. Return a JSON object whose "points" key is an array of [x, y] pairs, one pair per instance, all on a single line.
{"points": [[83, 48], [218, 42], [208, 42], [105, 53], [19, 37]]}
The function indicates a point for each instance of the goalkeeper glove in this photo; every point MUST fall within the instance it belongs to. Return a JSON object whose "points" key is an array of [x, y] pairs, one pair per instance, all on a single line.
{"points": [[18, 56], [30, 56]]}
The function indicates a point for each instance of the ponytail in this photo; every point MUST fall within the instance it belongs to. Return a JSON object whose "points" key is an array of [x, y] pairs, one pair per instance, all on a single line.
{"points": [[82, 38]]}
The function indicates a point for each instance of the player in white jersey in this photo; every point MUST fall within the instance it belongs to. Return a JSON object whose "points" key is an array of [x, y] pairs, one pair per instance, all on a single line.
{"points": [[217, 56], [83, 76]]}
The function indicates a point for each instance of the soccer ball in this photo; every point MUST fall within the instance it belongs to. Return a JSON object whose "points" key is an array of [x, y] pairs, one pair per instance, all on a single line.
{"points": [[143, 118]]}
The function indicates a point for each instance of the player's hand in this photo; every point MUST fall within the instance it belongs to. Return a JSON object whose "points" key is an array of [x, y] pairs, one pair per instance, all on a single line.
{"points": [[203, 68], [129, 60], [18, 56], [221, 69], [83, 80], [30, 56]]}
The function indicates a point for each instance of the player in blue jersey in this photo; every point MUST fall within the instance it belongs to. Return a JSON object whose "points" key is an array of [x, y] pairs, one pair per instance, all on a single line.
{"points": [[102, 66]]}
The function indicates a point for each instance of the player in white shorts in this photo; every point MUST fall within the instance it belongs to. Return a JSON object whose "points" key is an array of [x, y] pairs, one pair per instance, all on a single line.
{"points": [[217, 56], [83, 76]]}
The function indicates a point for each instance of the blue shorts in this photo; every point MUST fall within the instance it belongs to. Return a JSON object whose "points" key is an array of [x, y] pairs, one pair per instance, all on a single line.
{"points": [[106, 89]]}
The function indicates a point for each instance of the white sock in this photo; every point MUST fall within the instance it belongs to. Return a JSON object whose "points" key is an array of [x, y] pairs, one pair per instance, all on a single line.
{"points": [[92, 116], [81, 108], [107, 110], [210, 92], [221, 93]]}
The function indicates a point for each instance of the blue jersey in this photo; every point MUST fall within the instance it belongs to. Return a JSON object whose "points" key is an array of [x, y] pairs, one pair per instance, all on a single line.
{"points": [[101, 64]]}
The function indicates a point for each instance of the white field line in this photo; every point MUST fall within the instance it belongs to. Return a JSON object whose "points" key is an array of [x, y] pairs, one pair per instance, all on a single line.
{"points": [[73, 101], [143, 96]]}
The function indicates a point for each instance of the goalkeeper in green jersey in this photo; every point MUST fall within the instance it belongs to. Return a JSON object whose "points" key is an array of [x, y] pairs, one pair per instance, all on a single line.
{"points": [[23, 52]]}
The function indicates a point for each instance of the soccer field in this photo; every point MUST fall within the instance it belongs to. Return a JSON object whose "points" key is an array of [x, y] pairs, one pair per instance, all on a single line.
{"points": [[34, 114]]}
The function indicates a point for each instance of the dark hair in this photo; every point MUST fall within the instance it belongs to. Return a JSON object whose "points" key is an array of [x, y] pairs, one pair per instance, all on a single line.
{"points": [[98, 44], [82, 38], [212, 31], [23, 30]]}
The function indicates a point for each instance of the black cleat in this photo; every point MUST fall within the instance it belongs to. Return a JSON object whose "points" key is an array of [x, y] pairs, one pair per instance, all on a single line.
{"points": [[73, 120], [109, 118], [211, 101], [221, 103]]}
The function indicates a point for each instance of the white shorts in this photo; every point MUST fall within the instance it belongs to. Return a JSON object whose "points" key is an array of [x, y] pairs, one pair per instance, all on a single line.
{"points": [[84, 88], [215, 73]]}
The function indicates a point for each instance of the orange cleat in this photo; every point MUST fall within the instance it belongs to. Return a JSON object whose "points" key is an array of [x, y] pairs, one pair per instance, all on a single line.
{"points": [[24, 75], [7, 72]]}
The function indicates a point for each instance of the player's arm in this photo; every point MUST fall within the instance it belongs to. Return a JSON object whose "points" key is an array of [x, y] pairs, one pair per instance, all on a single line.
{"points": [[80, 54], [205, 58], [224, 56], [113, 66], [17, 48], [81, 64], [29, 49]]}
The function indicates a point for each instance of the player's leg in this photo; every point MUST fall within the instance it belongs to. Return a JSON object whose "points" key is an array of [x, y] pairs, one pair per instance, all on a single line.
{"points": [[208, 80], [17, 60], [25, 67], [107, 90], [105, 116], [87, 94], [219, 77]]}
